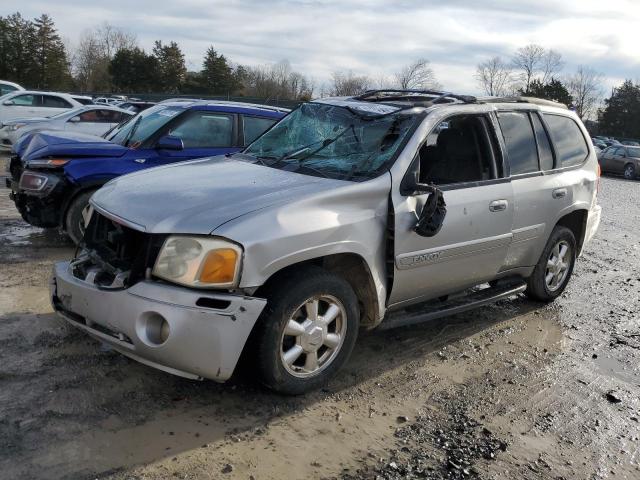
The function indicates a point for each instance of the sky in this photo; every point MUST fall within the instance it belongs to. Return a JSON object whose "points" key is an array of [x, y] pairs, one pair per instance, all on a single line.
{"points": [[371, 37]]}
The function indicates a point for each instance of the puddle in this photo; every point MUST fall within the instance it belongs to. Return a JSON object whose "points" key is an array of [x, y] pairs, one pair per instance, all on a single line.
{"points": [[16, 233], [611, 367]]}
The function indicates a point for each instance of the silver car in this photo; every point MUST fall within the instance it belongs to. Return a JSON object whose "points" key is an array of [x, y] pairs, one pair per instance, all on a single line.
{"points": [[386, 209]]}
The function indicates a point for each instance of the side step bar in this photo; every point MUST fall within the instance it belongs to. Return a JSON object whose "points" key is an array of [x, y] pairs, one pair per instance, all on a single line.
{"points": [[433, 309]]}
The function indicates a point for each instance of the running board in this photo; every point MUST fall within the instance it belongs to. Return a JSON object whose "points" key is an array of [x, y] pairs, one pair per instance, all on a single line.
{"points": [[434, 309]]}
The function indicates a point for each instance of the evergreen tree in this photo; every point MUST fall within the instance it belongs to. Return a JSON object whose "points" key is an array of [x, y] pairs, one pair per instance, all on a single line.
{"points": [[51, 65], [17, 47], [217, 74], [134, 71], [621, 115], [171, 66], [554, 90]]}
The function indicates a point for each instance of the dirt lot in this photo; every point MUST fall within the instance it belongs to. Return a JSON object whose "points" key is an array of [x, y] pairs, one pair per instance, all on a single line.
{"points": [[513, 391]]}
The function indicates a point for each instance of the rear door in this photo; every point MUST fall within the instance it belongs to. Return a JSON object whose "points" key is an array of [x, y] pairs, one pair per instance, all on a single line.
{"points": [[24, 106], [51, 105], [460, 155]]}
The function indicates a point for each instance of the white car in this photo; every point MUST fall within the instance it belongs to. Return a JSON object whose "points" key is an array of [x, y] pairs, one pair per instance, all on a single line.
{"points": [[30, 103], [107, 101], [91, 119], [8, 87]]}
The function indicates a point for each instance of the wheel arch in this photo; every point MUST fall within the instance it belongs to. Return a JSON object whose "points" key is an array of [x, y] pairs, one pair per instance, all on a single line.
{"points": [[79, 190], [350, 266], [576, 221]]}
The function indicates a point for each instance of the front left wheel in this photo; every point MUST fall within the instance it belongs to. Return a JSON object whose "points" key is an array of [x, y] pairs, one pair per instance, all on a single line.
{"points": [[74, 221], [307, 331]]}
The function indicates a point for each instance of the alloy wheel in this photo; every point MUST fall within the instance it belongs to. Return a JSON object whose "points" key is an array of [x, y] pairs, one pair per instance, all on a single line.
{"points": [[558, 265]]}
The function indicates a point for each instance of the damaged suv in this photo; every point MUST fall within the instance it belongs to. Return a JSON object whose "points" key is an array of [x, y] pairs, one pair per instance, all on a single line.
{"points": [[386, 209]]}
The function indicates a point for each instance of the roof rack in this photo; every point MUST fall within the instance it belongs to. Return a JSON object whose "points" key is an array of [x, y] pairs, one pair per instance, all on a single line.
{"points": [[435, 96], [517, 99]]}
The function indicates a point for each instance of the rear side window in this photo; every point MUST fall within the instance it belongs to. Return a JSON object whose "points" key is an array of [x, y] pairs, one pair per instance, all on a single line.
{"points": [[567, 137], [544, 146], [254, 127], [520, 142], [54, 102]]}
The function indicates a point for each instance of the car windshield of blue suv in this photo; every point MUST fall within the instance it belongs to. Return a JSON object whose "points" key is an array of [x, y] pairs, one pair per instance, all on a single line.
{"points": [[333, 141], [139, 128]]}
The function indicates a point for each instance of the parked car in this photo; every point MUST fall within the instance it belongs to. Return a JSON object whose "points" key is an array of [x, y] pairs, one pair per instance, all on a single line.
{"points": [[94, 120], [8, 87], [599, 143], [28, 104], [348, 213], [53, 174], [135, 106], [107, 101], [630, 143], [83, 99], [623, 160]]}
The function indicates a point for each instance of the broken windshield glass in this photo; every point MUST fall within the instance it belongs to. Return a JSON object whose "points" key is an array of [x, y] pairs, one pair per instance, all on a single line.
{"points": [[334, 141]]}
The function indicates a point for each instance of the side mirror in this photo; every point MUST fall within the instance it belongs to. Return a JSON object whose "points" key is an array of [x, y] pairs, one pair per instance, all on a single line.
{"points": [[8, 102], [433, 213], [170, 143], [75, 119]]}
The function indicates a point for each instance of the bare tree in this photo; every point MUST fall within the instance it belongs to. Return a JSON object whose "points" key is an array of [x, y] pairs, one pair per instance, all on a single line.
{"points": [[417, 75], [346, 84], [552, 64], [495, 77], [276, 81], [586, 88], [536, 63]]}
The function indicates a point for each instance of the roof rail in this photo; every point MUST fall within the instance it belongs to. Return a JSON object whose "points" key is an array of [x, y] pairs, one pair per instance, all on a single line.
{"points": [[518, 99], [410, 94]]}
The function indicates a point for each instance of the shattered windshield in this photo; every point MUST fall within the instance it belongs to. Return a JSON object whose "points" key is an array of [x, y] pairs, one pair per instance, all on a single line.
{"points": [[140, 127], [333, 141]]}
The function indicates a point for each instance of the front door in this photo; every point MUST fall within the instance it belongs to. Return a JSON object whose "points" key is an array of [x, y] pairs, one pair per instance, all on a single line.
{"points": [[461, 157]]}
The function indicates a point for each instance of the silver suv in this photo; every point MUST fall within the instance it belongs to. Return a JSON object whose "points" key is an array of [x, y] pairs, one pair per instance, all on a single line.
{"points": [[344, 214]]}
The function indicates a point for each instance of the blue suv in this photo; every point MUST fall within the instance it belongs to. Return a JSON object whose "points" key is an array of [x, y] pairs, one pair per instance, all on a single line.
{"points": [[54, 173]]}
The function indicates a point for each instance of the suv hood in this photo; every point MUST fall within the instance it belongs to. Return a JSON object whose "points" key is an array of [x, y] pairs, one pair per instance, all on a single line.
{"points": [[47, 143], [197, 197]]}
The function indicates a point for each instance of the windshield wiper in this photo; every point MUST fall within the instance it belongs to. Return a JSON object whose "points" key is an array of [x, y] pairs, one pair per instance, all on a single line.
{"points": [[133, 130]]}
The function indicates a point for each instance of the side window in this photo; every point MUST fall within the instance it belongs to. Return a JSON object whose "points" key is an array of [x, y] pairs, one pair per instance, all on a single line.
{"points": [[24, 100], [4, 89], [620, 152], [254, 127], [459, 150], [54, 102], [544, 145], [89, 117], [205, 130], [520, 142], [567, 137]]}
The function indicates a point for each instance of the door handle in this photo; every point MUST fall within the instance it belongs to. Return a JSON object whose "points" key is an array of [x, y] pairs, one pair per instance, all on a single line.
{"points": [[498, 206], [559, 193]]}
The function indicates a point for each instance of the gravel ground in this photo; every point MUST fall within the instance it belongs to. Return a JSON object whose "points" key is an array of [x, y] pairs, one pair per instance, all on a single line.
{"points": [[514, 390]]}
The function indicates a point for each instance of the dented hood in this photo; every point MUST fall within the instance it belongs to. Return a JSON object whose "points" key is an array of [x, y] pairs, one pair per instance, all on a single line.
{"points": [[47, 143], [198, 196]]}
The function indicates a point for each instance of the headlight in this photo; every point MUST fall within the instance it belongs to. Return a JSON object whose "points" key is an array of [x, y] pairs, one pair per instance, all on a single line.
{"points": [[17, 126], [199, 262], [33, 182]]}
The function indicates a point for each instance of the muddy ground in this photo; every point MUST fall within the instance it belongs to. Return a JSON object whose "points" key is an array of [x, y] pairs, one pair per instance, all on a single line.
{"points": [[517, 390]]}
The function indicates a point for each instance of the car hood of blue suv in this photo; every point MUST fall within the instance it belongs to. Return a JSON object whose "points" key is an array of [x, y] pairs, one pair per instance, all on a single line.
{"points": [[59, 143]]}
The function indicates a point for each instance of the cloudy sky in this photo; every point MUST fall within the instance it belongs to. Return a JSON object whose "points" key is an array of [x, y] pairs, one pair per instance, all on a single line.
{"points": [[371, 37]]}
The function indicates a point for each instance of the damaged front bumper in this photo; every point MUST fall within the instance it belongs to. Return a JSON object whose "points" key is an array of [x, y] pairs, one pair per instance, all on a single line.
{"points": [[40, 208], [189, 333]]}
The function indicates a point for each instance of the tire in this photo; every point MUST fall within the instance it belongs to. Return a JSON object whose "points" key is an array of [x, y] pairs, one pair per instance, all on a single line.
{"points": [[73, 220], [629, 171], [547, 282], [283, 356]]}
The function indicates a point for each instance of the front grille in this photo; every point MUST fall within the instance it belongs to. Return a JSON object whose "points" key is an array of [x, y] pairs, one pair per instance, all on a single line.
{"points": [[114, 255]]}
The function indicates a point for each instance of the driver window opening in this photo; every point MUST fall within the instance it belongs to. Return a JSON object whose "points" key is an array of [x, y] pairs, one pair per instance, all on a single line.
{"points": [[459, 150]]}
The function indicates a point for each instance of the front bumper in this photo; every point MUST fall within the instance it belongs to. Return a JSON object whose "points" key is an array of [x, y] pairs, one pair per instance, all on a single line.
{"points": [[202, 342], [40, 209]]}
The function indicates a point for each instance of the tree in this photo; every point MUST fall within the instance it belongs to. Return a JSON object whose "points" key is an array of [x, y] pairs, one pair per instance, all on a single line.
{"points": [[586, 89], [495, 77], [17, 47], [52, 67], [346, 84], [133, 70], [621, 114], [533, 60], [275, 81], [554, 90], [171, 66], [217, 74], [417, 75]]}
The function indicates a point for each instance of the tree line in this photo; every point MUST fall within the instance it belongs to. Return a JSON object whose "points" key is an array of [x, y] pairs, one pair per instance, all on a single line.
{"points": [[109, 59]]}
